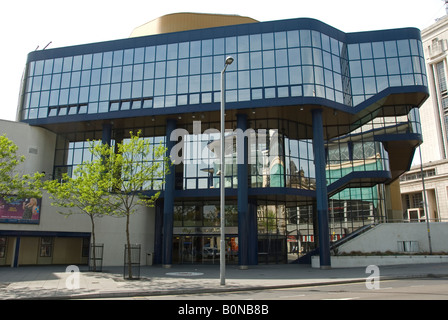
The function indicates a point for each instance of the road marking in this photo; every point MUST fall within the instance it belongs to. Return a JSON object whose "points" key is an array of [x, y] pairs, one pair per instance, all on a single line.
{"points": [[294, 296], [343, 298]]}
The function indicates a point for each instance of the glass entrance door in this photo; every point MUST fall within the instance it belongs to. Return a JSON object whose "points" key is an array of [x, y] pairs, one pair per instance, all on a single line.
{"points": [[190, 249], [210, 251]]}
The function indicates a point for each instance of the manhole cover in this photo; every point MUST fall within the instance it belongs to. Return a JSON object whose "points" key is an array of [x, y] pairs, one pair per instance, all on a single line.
{"points": [[184, 274]]}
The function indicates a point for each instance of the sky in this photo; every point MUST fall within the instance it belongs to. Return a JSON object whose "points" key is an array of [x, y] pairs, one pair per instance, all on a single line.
{"points": [[28, 24]]}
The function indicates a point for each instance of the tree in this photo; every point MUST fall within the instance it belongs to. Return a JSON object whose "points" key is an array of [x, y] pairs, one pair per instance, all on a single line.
{"points": [[14, 185], [114, 182], [135, 166], [87, 191]]}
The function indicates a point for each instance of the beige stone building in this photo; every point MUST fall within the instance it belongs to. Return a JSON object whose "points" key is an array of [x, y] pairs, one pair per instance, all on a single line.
{"points": [[434, 194], [431, 189], [434, 112]]}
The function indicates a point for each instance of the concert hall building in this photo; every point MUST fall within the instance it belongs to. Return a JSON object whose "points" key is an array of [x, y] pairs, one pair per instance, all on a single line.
{"points": [[330, 119]]}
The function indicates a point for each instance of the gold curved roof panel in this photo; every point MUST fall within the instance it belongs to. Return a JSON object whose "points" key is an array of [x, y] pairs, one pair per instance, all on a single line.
{"points": [[187, 21]]}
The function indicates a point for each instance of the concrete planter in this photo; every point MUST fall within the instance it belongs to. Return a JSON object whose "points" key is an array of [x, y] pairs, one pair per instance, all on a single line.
{"points": [[364, 261]]}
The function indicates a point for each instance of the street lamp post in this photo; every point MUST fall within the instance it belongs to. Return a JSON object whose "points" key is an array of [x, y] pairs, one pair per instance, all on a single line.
{"points": [[425, 208], [222, 256]]}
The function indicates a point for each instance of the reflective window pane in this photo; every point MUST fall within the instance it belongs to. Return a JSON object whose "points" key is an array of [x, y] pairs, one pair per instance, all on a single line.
{"points": [[268, 41], [294, 56], [243, 43], [355, 69], [392, 66], [307, 56], [195, 49], [315, 36], [353, 51], [367, 68], [48, 66], [77, 63], [366, 50], [268, 59], [172, 51], [139, 55], [269, 77], [403, 48], [305, 38], [255, 60], [391, 48], [218, 46], [161, 53], [150, 54], [126, 90], [207, 65], [128, 57], [206, 82], [293, 38], [280, 40], [230, 45], [207, 47], [255, 42], [282, 76], [243, 79], [138, 72], [406, 65], [117, 58], [57, 65], [380, 67]]}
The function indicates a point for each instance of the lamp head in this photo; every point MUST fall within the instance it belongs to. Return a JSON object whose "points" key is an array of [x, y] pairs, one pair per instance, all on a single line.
{"points": [[229, 60]]}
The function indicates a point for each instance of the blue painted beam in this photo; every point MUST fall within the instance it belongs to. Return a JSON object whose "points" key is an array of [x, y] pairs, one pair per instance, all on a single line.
{"points": [[168, 206], [321, 189], [243, 199]]}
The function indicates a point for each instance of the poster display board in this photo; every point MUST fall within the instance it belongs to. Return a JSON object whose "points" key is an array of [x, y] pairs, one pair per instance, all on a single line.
{"points": [[20, 211]]}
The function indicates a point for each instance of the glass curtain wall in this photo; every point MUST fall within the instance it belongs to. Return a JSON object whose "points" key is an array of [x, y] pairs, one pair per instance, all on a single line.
{"points": [[72, 149], [294, 63], [279, 158], [197, 232]]}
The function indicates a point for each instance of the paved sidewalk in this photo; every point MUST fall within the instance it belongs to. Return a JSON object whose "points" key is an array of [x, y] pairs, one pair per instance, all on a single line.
{"points": [[53, 282]]}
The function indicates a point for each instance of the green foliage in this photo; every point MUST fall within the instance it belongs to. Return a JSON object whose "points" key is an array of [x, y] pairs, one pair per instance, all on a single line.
{"points": [[13, 185], [87, 190], [113, 183], [131, 173]]}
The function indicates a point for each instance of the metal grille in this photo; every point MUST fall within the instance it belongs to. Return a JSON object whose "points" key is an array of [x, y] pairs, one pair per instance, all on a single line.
{"points": [[131, 269]]}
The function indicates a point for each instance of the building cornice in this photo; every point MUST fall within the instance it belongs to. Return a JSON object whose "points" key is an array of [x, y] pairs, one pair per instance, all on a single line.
{"points": [[439, 26]]}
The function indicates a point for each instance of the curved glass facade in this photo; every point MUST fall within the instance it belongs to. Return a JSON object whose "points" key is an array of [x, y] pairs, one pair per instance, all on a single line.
{"points": [[366, 88], [271, 65]]}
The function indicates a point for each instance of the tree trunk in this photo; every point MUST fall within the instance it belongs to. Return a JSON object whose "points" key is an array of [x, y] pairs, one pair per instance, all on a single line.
{"points": [[93, 243], [129, 248]]}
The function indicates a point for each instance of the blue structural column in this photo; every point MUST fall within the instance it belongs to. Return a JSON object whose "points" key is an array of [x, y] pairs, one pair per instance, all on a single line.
{"points": [[168, 203], [253, 233], [321, 189], [16, 253], [243, 198], [158, 233], [107, 133]]}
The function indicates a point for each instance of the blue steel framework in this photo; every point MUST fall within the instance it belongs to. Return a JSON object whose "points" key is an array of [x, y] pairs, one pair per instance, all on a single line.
{"points": [[345, 106]]}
